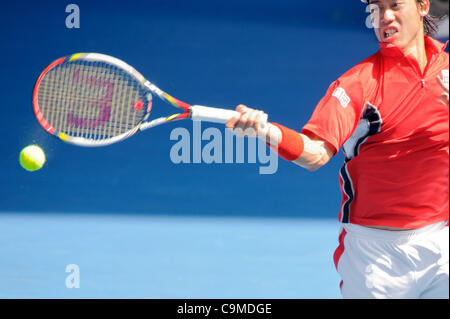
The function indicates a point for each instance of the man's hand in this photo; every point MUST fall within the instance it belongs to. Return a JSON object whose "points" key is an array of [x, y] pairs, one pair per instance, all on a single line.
{"points": [[250, 123], [253, 123], [444, 86]]}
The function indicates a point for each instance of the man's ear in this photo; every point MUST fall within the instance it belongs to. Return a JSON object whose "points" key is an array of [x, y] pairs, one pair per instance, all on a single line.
{"points": [[424, 7]]}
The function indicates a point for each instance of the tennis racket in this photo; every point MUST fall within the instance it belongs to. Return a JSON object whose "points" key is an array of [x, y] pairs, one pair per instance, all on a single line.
{"points": [[92, 99]]}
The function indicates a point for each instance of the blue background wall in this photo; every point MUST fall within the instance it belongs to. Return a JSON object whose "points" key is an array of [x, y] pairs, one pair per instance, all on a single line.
{"points": [[279, 56]]}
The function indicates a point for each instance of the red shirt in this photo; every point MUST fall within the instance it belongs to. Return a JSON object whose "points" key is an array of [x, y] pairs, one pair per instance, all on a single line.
{"points": [[394, 130]]}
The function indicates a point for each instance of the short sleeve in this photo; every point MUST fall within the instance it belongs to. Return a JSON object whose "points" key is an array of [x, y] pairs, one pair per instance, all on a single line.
{"points": [[337, 115]]}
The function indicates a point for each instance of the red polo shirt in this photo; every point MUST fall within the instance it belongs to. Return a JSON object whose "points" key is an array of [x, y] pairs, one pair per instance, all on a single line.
{"points": [[394, 129]]}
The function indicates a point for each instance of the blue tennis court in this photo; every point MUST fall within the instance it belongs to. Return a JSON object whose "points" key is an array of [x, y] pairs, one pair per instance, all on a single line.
{"points": [[122, 256]]}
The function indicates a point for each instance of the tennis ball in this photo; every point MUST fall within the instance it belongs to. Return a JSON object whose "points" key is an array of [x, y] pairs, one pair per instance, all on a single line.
{"points": [[32, 158]]}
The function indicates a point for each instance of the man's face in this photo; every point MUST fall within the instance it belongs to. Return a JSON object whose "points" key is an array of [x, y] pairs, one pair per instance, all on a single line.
{"points": [[398, 21]]}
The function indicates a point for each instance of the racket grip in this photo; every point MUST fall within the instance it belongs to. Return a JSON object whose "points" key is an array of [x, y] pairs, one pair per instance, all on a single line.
{"points": [[215, 115], [211, 114]]}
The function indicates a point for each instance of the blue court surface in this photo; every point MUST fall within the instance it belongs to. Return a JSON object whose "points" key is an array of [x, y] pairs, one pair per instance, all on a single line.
{"points": [[128, 221], [166, 257]]}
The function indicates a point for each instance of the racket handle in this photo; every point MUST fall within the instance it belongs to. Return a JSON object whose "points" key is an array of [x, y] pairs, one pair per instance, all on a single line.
{"points": [[216, 115], [211, 114]]}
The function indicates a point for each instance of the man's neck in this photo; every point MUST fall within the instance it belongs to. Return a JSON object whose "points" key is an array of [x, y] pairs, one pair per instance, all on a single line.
{"points": [[417, 50]]}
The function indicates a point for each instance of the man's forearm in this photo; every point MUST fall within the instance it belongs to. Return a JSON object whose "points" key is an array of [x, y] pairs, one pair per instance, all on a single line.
{"points": [[298, 148]]}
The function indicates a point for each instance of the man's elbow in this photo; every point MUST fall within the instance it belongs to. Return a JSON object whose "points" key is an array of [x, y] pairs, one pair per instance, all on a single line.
{"points": [[313, 166], [316, 166], [316, 153]]}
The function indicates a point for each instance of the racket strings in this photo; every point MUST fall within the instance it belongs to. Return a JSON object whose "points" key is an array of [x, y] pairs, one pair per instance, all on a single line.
{"points": [[92, 100]]}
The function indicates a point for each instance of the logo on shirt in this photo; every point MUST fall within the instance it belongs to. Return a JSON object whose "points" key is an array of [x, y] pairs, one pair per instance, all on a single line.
{"points": [[342, 96], [445, 76]]}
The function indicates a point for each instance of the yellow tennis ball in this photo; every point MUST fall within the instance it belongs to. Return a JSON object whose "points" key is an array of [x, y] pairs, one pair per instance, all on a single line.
{"points": [[32, 158]]}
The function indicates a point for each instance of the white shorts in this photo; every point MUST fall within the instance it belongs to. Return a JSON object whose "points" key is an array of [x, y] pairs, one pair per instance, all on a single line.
{"points": [[377, 263]]}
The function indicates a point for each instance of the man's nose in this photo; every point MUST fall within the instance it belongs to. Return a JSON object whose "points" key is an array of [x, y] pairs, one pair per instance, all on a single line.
{"points": [[387, 17]]}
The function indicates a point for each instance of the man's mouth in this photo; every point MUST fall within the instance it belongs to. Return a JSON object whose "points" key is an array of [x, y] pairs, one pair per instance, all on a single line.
{"points": [[389, 32]]}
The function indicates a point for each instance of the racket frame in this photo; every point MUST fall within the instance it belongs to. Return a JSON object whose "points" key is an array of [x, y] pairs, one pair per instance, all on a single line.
{"points": [[194, 112], [98, 57]]}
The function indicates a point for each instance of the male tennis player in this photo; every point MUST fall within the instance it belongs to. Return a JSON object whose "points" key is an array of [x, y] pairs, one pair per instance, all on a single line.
{"points": [[390, 114]]}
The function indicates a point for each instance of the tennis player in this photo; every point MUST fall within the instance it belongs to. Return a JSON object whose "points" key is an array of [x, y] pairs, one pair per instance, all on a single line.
{"points": [[390, 115]]}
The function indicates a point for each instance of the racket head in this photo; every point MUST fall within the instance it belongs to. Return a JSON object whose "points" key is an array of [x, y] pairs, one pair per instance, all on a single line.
{"points": [[91, 99]]}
